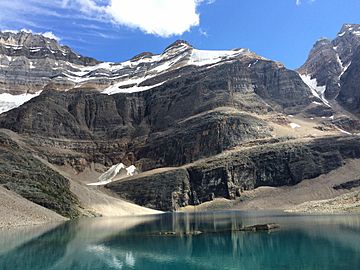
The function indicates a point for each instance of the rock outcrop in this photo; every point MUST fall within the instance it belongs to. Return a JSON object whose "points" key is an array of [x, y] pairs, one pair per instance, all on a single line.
{"points": [[164, 189], [228, 174]]}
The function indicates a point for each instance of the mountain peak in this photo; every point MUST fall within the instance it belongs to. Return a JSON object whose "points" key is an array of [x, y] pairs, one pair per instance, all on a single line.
{"points": [[27, 38], [39, 46], [178, 44], [349, 28]]}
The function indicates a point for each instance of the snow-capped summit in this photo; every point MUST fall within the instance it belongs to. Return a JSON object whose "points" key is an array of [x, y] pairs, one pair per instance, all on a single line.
{"points": [[178, 45], [40, 62], [178, 55], [329, 60]]}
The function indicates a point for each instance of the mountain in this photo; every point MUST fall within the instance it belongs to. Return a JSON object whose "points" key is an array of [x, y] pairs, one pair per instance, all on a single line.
{"points": [[33, 63], [224, 94], [329, 61], [198, 124], [29, 62]]}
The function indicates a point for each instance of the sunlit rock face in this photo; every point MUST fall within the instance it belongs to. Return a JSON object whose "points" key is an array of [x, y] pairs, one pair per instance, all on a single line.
{"points": [[349, 97], [329, 60], [31, 63]]}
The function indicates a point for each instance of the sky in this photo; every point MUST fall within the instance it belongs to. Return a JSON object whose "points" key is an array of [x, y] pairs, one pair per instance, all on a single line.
{"points": [[117, 30]]}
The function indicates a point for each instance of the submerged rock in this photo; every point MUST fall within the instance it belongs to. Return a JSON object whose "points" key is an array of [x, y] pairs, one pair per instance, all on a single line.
{"points": [[261, 227]]}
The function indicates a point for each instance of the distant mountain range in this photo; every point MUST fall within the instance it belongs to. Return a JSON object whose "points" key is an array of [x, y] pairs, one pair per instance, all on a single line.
{"points": [[199, 124]]}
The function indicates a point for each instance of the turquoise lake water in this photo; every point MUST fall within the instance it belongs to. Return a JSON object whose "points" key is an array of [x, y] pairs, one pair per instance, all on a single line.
{"points": [[302, 242]]}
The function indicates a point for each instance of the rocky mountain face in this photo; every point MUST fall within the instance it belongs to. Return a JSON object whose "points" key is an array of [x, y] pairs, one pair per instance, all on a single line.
{"points": [[276, 163], [32, 63], [29, 62], [197, 111], [349, 96], [223, 121], [329, 61]]}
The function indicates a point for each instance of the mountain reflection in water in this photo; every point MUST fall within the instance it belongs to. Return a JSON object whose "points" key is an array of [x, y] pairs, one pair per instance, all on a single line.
{"points": [[302, 242]]}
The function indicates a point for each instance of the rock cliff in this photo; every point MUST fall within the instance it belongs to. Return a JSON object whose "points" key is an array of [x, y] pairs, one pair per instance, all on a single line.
{"points": [[227, 175]]}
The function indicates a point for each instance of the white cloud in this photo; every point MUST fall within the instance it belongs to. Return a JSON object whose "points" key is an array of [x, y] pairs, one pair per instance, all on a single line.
{"points": [[298, 2], [159, 17], [50, 35], [203, 32]]}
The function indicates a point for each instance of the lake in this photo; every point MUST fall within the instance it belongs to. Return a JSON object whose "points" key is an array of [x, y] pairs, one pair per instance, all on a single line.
{"points": [[302, 242]]}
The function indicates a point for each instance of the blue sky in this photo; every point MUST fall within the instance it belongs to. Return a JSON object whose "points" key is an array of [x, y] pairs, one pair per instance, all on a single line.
{"points": [[116, 30]]}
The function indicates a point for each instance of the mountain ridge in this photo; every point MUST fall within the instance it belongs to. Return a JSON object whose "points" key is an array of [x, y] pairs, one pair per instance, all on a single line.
{"points": [[41, 63]]}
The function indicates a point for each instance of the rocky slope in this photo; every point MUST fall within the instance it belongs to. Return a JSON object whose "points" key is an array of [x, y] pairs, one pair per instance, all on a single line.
{"points": [[348, 203], [349, 96], [24, 174], [29, 185], [18, 211]]}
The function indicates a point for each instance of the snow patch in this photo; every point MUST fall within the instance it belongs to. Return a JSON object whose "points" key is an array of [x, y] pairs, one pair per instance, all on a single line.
{"points": [[339, 60], [316, 90], [254, 63], [317, 103], [294, 125], [119, 87], [118, 170], [9, 101], [341, 64], [344, 70], [343, 131], [205, 57]]}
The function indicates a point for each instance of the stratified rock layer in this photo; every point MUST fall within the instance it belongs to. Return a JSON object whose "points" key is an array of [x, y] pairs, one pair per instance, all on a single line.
{"points": [[228, 174]]}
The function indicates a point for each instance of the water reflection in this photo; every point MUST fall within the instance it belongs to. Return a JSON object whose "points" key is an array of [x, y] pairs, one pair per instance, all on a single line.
{"points": [[303, 242]]}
